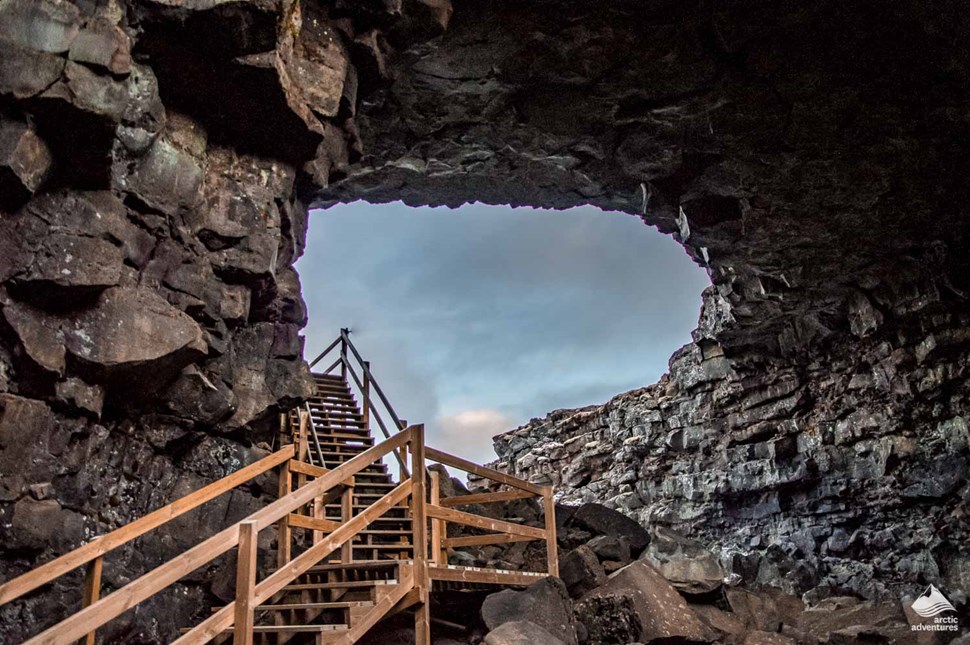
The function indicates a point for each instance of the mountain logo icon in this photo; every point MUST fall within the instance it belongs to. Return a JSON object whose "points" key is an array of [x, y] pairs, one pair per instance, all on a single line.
{"points": [[932, 603]]}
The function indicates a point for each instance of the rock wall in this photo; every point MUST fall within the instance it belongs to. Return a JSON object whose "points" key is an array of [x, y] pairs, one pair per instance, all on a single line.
{"points": [[842, 473], [157, 158]]}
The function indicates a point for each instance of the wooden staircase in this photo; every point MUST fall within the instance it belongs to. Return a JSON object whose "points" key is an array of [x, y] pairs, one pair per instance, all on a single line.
{"points": [[353, 544], [342, 432]]}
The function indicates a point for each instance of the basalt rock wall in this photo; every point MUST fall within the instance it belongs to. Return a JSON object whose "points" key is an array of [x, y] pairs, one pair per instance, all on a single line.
{"points": [[157, 158], [842, 473]]}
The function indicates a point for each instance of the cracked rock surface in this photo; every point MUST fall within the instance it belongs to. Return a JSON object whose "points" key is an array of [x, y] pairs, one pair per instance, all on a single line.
{"points": [[157, 159]]}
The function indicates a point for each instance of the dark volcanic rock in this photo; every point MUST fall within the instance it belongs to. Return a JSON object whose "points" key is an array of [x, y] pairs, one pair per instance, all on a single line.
{"points": [[520, 632], [156, 163], [546, 603], [601, 520], [581, 571], [637, 604]]}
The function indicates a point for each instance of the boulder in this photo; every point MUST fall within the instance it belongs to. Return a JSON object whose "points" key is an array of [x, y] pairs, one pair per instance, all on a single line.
{"points": [[843, 615], [660, 611], [758, 611], [42, 25], [546, 603], [724, 623], [132, 333], [39, 335], [767, 638], [611, 548], [859, 635], [81, 396], [104, 44], [687, 564], [581, 571], [610, 618], [25, 429], [24, 162], [601, 520], [74, 262], [521, 632], [40, 524], [202, 397]]}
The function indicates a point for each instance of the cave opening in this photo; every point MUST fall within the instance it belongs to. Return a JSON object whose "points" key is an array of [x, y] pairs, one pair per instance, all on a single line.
{"points": [[480, 318]]}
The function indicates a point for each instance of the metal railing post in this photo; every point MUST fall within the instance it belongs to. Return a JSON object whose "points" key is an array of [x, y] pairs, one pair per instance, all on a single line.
{"points": [[344, 339], [366, 394]]}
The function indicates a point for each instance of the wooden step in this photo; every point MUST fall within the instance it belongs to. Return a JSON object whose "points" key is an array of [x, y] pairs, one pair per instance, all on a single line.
{"points": [[348, 584], [357, 565], [347, 604]]}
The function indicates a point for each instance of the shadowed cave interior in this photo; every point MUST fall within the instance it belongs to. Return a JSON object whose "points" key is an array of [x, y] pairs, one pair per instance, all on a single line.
{"points": [[158, 160]]}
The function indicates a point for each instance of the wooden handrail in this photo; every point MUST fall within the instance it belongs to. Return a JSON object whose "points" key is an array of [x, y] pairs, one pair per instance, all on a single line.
{"points": [[482, 522], [111, 606], [223, 619], [345, 334], [483, 471], [329, 536], [100, 546], [486, 498]]}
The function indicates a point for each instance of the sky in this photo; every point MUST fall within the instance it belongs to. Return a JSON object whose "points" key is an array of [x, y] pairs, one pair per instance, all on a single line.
{"points": [[478, 319]]}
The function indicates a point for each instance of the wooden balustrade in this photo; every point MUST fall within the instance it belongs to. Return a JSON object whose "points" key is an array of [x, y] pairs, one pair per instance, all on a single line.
{"points": [[316, 486]]}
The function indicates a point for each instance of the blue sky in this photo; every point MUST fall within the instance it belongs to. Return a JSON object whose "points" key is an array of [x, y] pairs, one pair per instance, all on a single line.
{"points": [[479, 318]]}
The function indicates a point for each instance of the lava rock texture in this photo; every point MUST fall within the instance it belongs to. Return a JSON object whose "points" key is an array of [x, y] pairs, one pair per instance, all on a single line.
{"points": [[157, 158]]}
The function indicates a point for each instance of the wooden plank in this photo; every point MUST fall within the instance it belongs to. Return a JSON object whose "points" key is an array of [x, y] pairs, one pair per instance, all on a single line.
{"points": [[265, 590], [382, 607], [486, 498], [422, 626], [482, 540], [481, 471], [72, 628], [245, 583], [310, 470], [346, 513], [486, 523], [438, 553], [106, 543], [552, 550], [311, 523], [92, 591], [284, 537], [484, 576]]}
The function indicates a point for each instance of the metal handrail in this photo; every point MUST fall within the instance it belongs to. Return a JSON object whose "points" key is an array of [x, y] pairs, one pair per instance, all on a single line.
{"points": [[348, 369], [313, 433]]}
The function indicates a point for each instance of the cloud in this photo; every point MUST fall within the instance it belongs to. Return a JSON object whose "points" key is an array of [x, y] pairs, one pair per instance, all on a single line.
{"points": [[470, 433], [513, 311]]}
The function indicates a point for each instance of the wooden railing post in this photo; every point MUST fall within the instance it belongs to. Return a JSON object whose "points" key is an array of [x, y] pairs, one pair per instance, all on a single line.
{"points": [[346, 513], [438, 553], [552, 550], [245, 583], [283, 533], [319, 513], [419, 520], [92, 592]]}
